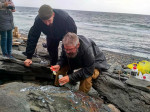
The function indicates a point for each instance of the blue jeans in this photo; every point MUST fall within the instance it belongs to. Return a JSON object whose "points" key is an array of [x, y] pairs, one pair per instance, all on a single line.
{"points": [[6, 42]]}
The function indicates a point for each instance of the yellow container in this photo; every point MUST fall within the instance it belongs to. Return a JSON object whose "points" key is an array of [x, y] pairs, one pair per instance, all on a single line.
{"points": [[143, 66]]}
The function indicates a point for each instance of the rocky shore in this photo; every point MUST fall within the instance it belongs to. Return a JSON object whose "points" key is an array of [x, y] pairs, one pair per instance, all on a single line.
{"points": [[122, 59], [113, 86]]}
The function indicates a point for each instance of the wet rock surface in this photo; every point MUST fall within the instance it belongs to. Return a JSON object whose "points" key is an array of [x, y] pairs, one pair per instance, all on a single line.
{"points": [[29, 97], [129, 95]]}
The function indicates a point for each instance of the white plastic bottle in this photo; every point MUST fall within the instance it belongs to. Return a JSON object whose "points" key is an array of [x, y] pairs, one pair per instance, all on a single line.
{"points": [[146, 77], [134, 71], [72, 87], [140, 76], [60, 76], [54, 72]]}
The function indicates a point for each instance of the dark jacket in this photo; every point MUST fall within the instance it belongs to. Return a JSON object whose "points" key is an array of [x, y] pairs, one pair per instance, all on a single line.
{"points": [[6, 17], [88, 58], [62, 24]]}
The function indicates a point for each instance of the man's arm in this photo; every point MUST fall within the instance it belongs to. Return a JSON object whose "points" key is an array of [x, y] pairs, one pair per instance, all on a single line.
{"points": [[83, 73], [88, 69], [33, 37]]}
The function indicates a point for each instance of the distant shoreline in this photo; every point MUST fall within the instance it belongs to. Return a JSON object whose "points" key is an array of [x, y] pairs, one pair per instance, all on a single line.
{"points": [[90, 11]]}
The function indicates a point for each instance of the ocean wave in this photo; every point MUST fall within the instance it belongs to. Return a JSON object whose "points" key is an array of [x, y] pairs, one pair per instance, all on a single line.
{"points": [[117, 27], [140, 26], [112, 31]]}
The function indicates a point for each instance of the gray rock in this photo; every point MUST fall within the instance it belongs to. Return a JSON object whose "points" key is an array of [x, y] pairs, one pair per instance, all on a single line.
{"points": [[20, 40], [118, 69], [22, 48], [115, 68], [20, 56], [27, 97], [12, 103], [130, 96], [15, 67], [11, 100], [139, 84]]}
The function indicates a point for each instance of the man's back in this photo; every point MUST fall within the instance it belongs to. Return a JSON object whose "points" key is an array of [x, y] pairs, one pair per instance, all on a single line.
{"points": [[62, 24], [89, 47]]}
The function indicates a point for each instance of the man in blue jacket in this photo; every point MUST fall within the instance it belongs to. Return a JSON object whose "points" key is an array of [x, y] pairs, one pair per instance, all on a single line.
{"points": [[54, 23], [79, 52]]}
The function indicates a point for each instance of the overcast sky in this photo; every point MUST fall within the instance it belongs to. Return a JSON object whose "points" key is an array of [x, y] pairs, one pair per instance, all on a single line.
{"points": [[121, 6]]}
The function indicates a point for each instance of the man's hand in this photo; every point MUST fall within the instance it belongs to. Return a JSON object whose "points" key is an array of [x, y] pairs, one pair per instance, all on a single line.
{"points": [[64, 80], [55, 68], [27, 62]]}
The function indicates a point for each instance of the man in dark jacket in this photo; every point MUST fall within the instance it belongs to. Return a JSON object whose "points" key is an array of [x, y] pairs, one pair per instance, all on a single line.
{"points": [[54, 23], [81, 53]]}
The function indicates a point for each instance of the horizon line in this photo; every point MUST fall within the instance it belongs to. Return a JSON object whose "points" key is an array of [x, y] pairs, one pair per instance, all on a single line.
{"points": [[94, 11]]}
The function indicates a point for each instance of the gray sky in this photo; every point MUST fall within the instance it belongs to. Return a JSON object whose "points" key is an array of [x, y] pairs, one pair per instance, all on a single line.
{"points": [[121, 6]]}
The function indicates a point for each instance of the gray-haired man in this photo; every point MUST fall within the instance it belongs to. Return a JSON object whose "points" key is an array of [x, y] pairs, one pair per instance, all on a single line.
{"points": [[79, 52]]}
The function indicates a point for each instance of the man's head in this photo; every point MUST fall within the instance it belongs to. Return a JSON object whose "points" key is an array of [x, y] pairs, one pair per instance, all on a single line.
{"points": [[71, 44], [46, 14]]}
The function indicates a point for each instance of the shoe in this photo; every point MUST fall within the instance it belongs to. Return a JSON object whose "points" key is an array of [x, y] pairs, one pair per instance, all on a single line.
{"points": [[10, 56], [5, 56]]}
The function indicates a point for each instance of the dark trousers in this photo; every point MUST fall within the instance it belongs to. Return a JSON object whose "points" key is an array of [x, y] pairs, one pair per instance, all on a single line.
{"points": [[52, 47], [6, 42]]}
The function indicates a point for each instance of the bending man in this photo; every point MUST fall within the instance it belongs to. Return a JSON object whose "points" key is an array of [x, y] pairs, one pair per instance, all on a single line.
{"points": [[54, 23]]}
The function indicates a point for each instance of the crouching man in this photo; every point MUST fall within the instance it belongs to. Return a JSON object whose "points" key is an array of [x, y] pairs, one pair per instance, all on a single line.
{"points": [[80, 53]]}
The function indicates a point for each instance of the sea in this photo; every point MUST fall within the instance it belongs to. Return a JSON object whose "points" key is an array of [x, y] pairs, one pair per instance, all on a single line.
{"points": [[116, 32]]}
